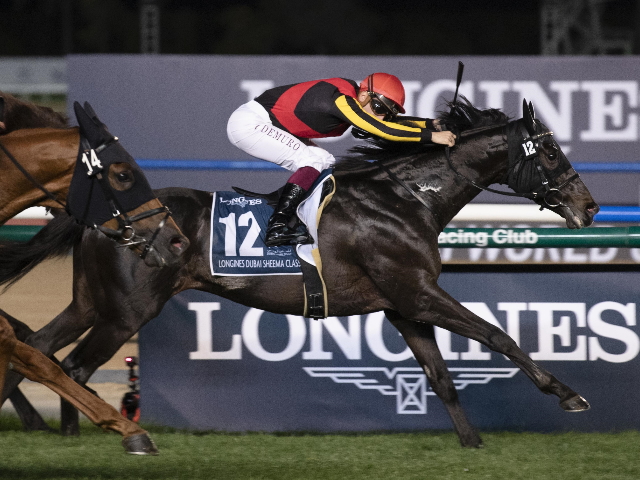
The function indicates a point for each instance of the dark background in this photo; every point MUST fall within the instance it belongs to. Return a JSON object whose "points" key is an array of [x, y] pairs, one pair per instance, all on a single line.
{"points": [[282, 27]]}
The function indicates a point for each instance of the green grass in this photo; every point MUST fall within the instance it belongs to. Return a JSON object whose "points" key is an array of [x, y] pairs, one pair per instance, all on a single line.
{"points": [[98, 455]]}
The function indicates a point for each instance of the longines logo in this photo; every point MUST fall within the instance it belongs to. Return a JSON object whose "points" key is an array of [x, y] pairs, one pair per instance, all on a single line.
{"points": [[242, 202], [560, 331], [409, 384]]}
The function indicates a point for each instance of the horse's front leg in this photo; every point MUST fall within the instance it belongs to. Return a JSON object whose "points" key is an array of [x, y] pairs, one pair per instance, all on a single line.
{"points": [[35, 366], [421, 339], [8, 343], [432, 305], [70, 324]]}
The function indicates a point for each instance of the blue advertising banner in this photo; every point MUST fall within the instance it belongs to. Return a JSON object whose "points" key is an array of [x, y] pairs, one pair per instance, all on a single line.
{"points": [[208, 363]]}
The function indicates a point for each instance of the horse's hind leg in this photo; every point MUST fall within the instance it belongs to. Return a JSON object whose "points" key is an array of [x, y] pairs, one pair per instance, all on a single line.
{"points": [[31, 420], [421, 339], [35, 366], [72, 322]]}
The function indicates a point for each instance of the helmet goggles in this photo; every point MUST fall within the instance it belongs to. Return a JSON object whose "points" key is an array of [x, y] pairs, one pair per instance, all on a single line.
{"points": [[381, 105]]}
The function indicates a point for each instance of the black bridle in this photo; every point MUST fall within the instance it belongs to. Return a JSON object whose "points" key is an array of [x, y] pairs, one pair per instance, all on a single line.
{"points": [[531, 146], [548, 189], [125, 231]]}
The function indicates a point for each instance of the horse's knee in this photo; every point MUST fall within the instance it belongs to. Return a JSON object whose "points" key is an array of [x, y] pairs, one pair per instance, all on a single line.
{"points": [[74, 371]]}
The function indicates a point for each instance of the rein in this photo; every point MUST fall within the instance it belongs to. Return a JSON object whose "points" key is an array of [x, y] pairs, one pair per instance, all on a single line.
{"points": [[447, 154], [403, 184], [531, 147], [30, 177]]}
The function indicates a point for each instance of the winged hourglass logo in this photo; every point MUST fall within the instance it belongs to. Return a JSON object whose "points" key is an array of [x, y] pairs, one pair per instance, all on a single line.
{"points": [[410, 387]]}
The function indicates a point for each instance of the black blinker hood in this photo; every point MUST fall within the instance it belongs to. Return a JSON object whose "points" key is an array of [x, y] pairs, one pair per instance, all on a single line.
{"points": [[91, 200], [523, 176]]}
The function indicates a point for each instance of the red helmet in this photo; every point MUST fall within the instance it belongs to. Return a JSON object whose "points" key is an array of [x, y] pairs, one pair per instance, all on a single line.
{"points": [[389, 86]]}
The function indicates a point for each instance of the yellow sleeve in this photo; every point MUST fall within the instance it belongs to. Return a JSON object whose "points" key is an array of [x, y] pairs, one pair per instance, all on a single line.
{"points": [[351, 110]]}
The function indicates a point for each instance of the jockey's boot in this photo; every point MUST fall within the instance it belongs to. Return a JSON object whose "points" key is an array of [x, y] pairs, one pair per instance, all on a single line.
{"points": [[278, 230]]}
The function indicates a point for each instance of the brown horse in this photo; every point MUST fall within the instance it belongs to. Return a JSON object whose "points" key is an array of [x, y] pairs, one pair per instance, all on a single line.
{"points": [[379, 251], [39, 157], [41, 166]]}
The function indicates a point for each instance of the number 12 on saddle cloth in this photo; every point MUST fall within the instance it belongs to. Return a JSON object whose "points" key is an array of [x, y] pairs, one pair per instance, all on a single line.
{"points": [[238, 224]]}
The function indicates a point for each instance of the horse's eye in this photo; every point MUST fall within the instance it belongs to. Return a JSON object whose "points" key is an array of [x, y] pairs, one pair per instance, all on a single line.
{"points": [[551, 151], [124, 177]]}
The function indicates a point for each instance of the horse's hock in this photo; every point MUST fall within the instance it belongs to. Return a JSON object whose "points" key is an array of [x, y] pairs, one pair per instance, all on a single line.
{"points": [[36, 300]]}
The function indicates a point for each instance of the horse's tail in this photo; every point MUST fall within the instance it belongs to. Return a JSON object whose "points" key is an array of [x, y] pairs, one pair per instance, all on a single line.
{"points": [[54, 240]]}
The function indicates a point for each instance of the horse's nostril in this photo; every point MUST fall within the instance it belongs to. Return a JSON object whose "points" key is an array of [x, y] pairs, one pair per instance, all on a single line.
{"points": [[593, 208], [177, 243]]}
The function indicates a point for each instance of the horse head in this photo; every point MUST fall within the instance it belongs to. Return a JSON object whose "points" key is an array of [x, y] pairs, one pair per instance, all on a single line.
{"points": [[549, 174], [110, 192]]}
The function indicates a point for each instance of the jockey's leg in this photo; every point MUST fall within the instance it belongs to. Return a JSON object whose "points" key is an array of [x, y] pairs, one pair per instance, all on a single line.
{"points": [[279, 231], [250, 129]]}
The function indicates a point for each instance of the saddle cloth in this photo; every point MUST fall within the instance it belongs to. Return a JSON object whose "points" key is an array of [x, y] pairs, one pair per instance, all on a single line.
{"points": [[238, 226]]}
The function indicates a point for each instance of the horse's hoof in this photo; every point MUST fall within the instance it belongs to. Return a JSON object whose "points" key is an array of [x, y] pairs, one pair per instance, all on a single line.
{"points": [[575, 404], [473, 441], [140, 444], [473, 445]]}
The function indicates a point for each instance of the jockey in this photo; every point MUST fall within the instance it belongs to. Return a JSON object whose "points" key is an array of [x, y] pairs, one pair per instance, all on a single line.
{"points": [[279, 124]]}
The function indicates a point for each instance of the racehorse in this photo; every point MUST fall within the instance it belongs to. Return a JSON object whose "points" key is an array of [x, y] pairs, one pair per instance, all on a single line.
{"points": [[50, 156], [63, 167], [378, 244]]}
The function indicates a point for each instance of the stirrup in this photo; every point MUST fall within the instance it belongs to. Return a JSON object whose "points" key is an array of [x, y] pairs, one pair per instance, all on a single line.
{"points": [[288, 236]]}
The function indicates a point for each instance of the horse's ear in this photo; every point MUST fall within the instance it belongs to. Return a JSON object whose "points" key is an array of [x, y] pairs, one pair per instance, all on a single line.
{"points": [[527, 118], [532, 110], [94, 132], [91, 112]]}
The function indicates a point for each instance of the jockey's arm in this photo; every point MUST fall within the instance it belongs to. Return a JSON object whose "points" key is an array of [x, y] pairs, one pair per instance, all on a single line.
{"points": [[350, 110]]}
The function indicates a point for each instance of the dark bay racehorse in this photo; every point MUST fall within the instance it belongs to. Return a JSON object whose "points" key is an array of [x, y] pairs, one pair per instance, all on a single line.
{"points": [[40, 159], [379, 251]]}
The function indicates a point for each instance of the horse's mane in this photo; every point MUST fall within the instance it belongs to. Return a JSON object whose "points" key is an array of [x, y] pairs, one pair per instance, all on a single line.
{"points": [[461, 116], [22, 114]]}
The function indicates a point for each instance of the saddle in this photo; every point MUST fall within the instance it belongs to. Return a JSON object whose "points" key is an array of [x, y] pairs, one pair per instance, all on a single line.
{"points": [[316, 304], [270, 198]]}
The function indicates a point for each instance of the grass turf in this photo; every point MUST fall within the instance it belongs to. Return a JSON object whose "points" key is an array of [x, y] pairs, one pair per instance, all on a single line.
{"points": [[98, 455]]}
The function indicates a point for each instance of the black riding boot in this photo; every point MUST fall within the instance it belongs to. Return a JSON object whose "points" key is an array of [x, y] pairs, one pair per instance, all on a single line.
{"points": [[278, 230]]}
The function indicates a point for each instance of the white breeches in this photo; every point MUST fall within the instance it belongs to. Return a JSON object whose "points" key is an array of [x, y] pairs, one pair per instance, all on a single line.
{"points": [[250, 129]]}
